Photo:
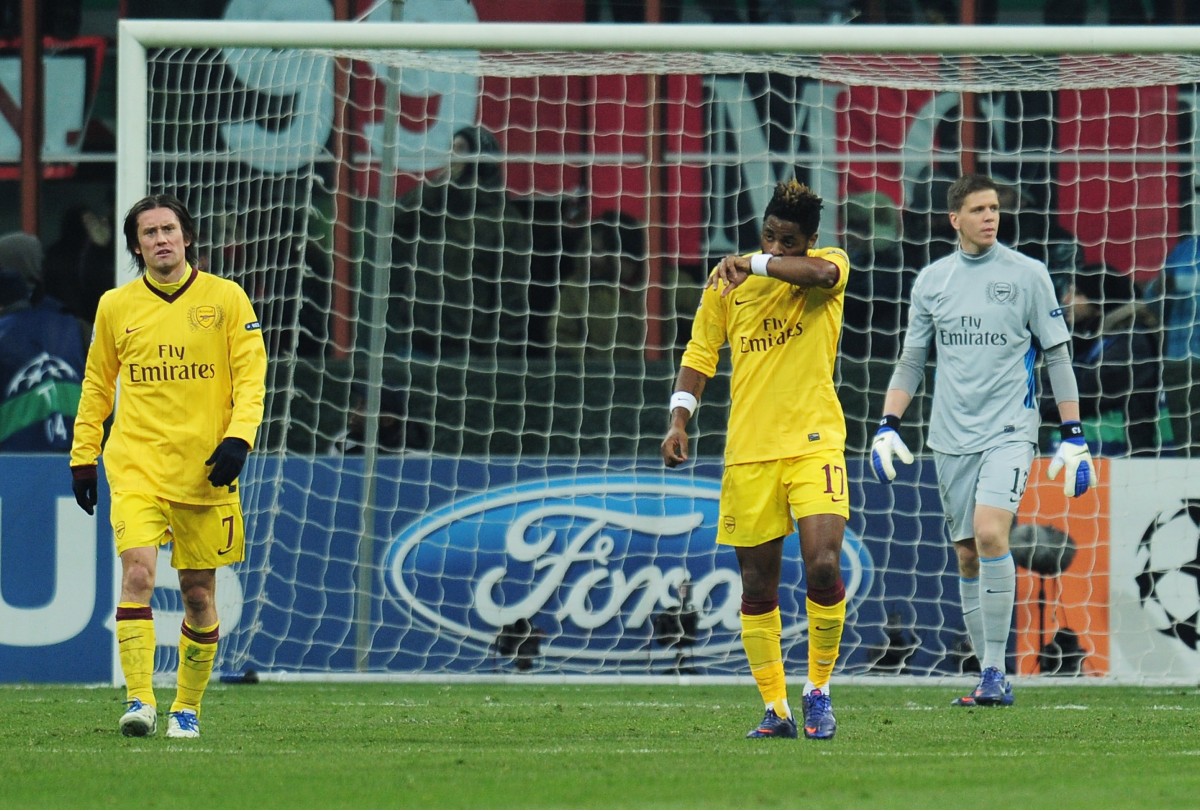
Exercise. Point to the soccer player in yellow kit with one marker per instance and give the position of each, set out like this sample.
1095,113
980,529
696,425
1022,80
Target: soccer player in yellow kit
780,312
184,351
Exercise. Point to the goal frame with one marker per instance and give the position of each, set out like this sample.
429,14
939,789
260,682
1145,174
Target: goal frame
137,37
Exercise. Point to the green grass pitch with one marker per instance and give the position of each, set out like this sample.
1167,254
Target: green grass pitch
473,745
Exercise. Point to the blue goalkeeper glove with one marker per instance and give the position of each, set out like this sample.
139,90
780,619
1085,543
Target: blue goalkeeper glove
85,481
227,461
1073,454
886,444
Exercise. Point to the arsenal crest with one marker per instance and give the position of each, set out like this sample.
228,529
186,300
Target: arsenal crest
206,317
1003,293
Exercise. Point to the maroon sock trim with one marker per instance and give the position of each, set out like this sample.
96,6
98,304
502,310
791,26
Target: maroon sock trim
753,607
209,638
828,596
142,613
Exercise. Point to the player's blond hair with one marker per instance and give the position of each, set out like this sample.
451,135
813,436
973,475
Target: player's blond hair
796,203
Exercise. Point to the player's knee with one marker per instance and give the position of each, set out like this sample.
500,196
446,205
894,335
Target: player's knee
991,546
823,573
197,595
822,566
759,589
137,583
968,559
197,599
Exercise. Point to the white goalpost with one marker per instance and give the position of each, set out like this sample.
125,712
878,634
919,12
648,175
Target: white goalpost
475,250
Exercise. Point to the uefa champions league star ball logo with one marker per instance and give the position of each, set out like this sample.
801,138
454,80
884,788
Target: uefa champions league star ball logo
39,379
45,367
1168,566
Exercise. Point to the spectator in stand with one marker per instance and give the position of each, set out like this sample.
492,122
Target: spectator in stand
920,12
1037,234
630,11
1174,296
1116,362
180,9
60,19
312,262
454,233
23,254
288,276
80,264
689,287
394,434
1122,12
676,628
42,354
1027,226
602,305
875,292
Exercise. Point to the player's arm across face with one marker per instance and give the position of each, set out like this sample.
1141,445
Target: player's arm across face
675,444
802,271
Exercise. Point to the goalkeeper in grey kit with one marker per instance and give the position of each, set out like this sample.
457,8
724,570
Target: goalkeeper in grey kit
989,309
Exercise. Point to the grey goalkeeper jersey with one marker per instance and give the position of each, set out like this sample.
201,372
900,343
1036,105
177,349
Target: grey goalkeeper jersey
987,316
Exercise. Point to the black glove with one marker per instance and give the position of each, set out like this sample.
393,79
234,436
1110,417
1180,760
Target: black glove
84,481
227,461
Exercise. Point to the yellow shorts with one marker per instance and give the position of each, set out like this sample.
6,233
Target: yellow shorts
205,536
760,501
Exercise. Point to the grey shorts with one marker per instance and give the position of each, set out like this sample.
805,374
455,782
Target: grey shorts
995,477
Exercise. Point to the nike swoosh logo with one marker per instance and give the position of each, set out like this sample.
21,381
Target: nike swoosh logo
224,551
743,300
131,329
836,499
819,628
996,591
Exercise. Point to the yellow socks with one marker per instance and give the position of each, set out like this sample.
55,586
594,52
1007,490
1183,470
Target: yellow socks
825,623
135,646
760,638
197,652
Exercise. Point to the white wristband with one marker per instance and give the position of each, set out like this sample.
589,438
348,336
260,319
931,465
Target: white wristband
686,400
758,263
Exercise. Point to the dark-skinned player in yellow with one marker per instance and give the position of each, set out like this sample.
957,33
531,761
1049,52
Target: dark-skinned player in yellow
780,313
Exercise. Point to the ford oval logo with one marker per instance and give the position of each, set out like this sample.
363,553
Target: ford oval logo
589,560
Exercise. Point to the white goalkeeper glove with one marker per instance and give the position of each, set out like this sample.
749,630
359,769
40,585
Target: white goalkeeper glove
886,444
1073,454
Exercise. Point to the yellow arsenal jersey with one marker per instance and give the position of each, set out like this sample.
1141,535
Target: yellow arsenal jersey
783,346
186,367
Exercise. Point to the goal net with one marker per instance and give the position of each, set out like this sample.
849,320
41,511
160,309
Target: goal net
476,251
